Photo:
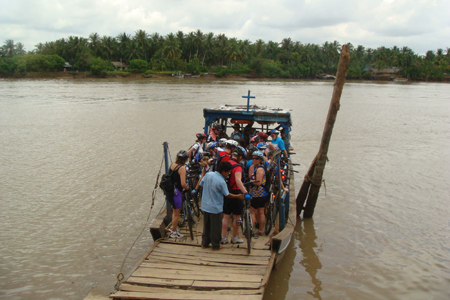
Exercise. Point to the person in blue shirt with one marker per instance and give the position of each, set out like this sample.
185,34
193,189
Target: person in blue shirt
237,134
277,142
214,190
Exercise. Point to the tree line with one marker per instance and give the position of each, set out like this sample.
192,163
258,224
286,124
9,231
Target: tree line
196,52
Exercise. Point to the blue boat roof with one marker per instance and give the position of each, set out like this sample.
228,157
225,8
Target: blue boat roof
252,112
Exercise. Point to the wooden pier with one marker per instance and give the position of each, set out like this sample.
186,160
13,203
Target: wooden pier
181,269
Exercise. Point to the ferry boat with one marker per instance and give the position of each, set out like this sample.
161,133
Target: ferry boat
181,269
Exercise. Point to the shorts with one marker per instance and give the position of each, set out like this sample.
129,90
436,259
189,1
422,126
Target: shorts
177,199
232,205
259,202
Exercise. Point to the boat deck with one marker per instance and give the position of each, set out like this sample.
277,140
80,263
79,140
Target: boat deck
181,269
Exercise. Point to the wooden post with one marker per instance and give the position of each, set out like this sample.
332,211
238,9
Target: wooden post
313,179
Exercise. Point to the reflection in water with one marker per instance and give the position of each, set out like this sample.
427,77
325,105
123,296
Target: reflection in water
306,235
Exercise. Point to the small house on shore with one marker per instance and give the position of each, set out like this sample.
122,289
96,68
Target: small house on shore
119,65
67,66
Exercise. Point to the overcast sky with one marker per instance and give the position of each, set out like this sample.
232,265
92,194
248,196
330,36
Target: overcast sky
419,24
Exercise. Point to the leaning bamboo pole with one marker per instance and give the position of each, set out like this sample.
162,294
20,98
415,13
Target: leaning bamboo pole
310,188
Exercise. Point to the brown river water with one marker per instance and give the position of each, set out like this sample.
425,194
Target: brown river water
79,160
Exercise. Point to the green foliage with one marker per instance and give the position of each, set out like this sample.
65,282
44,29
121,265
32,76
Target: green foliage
82,61
196,52
40,62
268,68
21,66
4,68
99,67
118,73
193,66
138,66
299,71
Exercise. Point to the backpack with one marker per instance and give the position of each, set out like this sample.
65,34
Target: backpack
228,179
194,154
216,161
167,184
269,175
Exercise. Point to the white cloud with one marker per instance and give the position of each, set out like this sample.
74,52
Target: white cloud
419,24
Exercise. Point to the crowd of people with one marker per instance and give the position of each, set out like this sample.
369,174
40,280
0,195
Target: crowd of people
227,162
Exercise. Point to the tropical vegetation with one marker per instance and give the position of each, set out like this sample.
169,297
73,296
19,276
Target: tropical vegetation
198,52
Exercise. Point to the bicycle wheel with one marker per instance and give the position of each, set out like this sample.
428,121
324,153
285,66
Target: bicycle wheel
248,230
269,224
190,219
195,206
183,218
275,208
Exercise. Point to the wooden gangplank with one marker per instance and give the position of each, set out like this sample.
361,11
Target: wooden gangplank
176,270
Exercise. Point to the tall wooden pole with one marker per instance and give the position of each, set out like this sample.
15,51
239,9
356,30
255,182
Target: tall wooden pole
313,179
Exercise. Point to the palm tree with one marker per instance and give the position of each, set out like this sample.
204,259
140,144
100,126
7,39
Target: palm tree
198,41
190,44
244,49
94,45
171,48
287,44
430,56
124,40
259,46
109,46
232,51
39,48
20,49
132,51
272,50
221,46
9,48
75,45
330,53
156,43
141,37
208,45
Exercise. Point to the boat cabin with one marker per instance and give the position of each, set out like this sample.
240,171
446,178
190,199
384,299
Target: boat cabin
260,117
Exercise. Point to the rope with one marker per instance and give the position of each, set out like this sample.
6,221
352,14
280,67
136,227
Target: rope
120,276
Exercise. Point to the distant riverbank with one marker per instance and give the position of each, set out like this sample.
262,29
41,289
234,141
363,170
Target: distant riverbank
129,75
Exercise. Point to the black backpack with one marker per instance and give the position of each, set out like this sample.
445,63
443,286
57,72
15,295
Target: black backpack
167,184
228,178
216,161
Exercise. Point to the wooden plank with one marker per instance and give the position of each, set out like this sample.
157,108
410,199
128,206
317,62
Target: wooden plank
207,253
139,288
186,262
249,270
266,277
160,282
225,250
232,260
261,243
174,296
146,272
225,285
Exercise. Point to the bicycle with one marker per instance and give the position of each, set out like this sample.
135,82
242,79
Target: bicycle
192,178
271,212
246,220
186,214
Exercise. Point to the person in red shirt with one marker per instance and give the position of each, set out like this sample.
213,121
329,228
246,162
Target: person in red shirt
232,205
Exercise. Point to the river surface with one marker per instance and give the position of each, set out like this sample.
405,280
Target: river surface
79,160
